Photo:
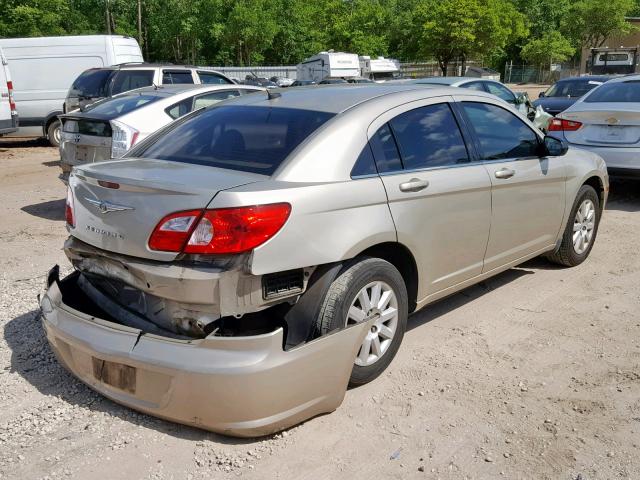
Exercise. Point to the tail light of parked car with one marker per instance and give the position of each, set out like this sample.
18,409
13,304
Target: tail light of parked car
563,125
224,230
69,209
123,137
12,103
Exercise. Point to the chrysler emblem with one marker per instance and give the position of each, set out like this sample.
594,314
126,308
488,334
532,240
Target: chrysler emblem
107,207
611,120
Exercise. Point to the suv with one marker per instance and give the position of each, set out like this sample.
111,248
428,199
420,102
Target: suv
98,83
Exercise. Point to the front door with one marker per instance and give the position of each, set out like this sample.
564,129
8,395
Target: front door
528,191
439,199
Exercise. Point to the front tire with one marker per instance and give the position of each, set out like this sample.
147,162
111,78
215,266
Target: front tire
53,133
580,233
368,288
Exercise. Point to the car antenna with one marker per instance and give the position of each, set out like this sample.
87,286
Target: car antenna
272,95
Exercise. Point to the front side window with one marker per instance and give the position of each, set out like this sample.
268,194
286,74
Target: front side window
211,78
501,134
126,80
176,76
500,91
429,137
236,137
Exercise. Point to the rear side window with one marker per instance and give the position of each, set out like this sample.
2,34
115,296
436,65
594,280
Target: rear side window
429,137
245,138
92,84
126,80
201,101
176,76
365,165
121,105
474,86
211,78
385,150
616,92
501,134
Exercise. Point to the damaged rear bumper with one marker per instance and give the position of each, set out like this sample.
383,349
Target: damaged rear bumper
240,386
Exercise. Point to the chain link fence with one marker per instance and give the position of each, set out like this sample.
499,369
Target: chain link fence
538,74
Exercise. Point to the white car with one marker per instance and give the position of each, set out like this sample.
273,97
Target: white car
606,121
107,129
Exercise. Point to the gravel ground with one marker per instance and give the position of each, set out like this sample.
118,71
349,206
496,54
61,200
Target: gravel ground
533,374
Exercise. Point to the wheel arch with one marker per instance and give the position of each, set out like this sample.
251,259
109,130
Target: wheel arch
597,184
49,119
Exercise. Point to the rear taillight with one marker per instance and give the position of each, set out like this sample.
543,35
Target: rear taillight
563,125
69,208
224,230
123,137
12,103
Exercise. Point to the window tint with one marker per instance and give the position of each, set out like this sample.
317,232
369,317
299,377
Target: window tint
126,80
500,91
501,134
179,109
211,78
473,86
115,107
616,92
92,83
249,139
365,165
385,150
429,137
176,76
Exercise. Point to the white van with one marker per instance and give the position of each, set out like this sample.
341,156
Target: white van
8,113
329,64
44,68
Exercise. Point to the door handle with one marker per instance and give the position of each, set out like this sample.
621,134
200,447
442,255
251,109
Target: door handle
414,185
505,173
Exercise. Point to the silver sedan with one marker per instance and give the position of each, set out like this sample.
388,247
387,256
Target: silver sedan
237,270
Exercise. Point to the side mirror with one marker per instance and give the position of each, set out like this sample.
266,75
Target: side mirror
521,98
541,95
554,147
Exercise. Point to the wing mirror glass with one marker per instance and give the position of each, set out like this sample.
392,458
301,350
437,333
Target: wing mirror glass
554,147
541,95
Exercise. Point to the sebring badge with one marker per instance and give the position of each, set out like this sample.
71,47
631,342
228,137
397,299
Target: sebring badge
107,207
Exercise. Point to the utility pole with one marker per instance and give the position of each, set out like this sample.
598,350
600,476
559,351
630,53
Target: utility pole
140,22
106,12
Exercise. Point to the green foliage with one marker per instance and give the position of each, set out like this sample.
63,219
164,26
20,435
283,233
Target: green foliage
252,32
551,47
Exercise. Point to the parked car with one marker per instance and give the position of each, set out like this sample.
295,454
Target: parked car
359,80
332,81
98,83
8,112
43,69
282,81
107,129
303,83
562,94
606,121
239,267
259,82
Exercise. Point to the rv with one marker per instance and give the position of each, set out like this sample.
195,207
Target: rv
8,113
44,68
379,69
329,64
608,61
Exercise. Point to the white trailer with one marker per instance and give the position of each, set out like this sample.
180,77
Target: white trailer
379,69
43,69
329,64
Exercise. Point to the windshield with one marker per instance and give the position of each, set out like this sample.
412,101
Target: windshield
616,92
249,139
572,88
91,84
117,106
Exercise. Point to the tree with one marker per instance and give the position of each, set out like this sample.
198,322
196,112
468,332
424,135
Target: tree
549,48
591,22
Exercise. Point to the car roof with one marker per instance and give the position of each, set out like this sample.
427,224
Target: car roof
634,77
338,98
587,78
445,80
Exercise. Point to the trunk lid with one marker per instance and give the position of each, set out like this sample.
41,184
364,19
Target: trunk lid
84,139
121,219
605,126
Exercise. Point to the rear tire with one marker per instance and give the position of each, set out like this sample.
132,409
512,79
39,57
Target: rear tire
367,288
53,132
581,230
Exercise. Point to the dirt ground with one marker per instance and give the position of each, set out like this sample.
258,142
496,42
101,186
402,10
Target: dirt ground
534,374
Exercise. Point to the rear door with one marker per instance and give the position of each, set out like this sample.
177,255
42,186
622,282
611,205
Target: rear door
528,191
5,108
440,199
130,79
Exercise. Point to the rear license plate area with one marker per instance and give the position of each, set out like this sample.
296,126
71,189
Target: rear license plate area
115,374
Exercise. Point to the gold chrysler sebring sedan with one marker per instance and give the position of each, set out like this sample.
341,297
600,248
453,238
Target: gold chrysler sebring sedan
238,269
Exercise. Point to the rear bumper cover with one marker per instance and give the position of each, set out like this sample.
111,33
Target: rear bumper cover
9,125
616,158
239,386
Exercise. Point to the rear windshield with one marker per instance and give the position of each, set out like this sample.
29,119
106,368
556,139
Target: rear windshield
616,92
572,88
117,106
245,138
91,84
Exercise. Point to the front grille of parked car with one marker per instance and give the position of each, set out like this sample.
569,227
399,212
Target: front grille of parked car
282,283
